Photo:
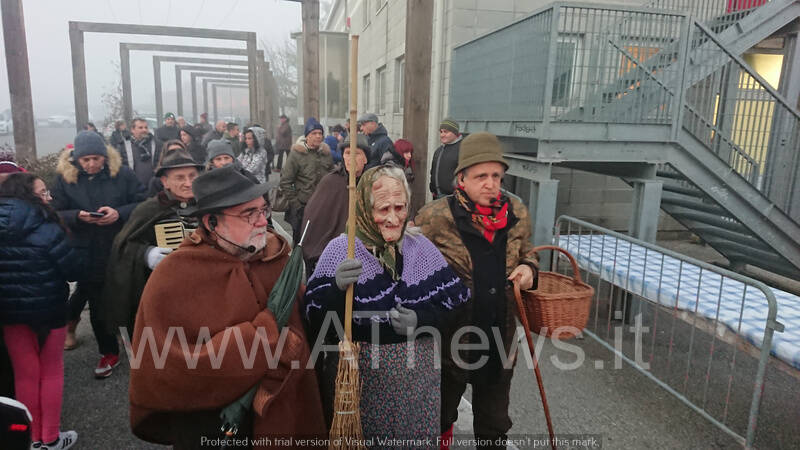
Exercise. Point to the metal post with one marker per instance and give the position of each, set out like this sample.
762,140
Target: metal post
125,71
19,80
555,21
310,12
79,75
417,94
646,206
159,98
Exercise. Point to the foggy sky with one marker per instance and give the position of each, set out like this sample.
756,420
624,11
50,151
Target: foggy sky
46,25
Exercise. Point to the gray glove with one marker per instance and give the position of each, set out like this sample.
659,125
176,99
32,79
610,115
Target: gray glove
347,273
404,320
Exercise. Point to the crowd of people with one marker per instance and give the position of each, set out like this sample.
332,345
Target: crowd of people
174,230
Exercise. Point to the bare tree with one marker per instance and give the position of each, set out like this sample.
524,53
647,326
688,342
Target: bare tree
112,98
283,63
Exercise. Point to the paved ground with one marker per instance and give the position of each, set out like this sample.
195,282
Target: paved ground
615,405
619,407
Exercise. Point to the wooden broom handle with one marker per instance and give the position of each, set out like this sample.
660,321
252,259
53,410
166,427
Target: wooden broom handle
351,184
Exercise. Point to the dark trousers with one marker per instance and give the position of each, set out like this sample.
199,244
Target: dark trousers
294,216
490,399
280,157
92,292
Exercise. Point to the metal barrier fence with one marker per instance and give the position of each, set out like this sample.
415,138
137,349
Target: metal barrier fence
692,356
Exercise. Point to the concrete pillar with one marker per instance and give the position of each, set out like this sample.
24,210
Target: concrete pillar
159,98
252,66
195,114
214,101
542,199
212,119
19,80
310,75
79,75
125,71
179,92
646,207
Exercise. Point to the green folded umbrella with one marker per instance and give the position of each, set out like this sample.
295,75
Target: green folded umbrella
280,302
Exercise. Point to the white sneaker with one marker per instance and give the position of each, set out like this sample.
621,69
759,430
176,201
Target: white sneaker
66,439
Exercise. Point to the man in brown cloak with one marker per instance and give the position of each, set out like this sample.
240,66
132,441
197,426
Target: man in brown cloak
204,337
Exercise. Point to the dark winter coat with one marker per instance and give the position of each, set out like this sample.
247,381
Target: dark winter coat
304,168
36,261
382,149
145,156
483,266
115,186
118,137
166,133
327,212
127,271
443,164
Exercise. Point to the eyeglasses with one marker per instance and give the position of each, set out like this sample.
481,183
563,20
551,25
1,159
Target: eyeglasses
253,216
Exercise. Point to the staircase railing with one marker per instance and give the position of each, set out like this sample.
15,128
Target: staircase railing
717,14
743,119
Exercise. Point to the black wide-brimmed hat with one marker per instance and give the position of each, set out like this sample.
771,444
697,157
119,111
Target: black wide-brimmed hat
224,188
175,159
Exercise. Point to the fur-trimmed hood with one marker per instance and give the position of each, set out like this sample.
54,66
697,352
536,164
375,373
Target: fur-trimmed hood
300,146
69,169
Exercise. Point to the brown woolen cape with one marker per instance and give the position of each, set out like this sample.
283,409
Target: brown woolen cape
200,285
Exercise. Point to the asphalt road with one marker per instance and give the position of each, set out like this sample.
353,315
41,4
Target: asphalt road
600,401
618,407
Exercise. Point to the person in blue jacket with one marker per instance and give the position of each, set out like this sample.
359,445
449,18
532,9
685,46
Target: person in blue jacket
36,261
94,195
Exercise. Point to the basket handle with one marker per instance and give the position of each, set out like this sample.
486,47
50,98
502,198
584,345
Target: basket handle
575,270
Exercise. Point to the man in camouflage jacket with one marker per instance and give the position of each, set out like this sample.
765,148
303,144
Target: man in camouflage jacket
484,235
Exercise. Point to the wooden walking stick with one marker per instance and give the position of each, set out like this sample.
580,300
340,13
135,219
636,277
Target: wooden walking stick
523,317
346,427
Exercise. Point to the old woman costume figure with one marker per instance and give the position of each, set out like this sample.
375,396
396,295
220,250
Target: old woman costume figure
402,283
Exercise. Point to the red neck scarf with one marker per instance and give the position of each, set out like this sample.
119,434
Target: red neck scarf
488,218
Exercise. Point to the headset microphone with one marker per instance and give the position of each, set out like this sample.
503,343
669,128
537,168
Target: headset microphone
212,224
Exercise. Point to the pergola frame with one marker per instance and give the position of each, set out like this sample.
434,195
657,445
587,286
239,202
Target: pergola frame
215,85
76,38
158,59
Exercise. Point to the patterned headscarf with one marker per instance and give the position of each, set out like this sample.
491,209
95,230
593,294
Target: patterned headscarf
488,218
367,230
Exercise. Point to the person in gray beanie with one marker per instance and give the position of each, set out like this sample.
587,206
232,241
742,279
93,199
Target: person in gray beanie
94,195
220,154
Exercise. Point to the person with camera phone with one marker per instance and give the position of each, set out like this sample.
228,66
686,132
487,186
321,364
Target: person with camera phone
94,195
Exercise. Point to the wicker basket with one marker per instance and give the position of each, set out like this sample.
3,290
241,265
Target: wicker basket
560,303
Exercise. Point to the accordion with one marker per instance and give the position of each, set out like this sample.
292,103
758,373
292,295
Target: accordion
170,233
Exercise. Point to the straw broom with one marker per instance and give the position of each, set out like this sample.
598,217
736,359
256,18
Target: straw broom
346,427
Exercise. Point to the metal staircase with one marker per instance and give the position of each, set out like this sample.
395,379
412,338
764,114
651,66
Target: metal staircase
652,85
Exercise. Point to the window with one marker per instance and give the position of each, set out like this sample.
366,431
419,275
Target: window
365,92
399,83
380,76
